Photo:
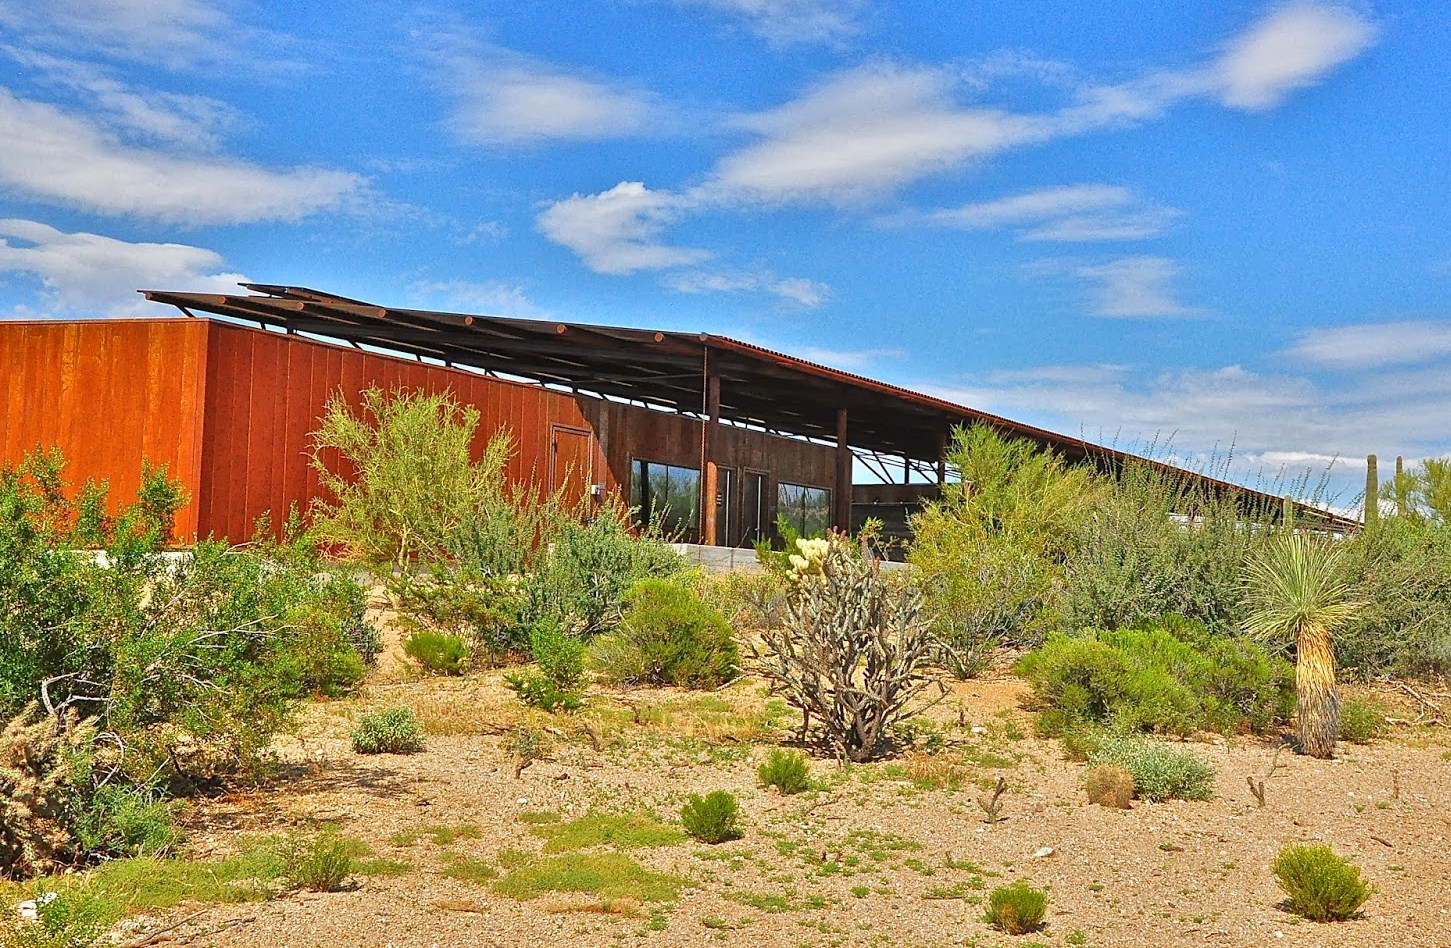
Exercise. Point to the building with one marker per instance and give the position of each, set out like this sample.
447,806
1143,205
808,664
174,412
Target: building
712,436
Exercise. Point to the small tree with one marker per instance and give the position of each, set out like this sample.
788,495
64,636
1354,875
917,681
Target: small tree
854,649
1297,591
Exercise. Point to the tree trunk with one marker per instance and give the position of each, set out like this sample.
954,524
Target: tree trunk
1317,703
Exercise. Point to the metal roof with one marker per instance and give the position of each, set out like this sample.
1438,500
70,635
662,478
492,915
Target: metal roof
759,387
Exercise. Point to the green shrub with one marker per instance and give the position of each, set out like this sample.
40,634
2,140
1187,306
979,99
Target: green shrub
1403,567
538,691
323,864
526,745
120,821
1161,772
439,653
560,656
1169,677
1361,721
713,818
1319,885
394,731
71,919
461,599
785,770
1016,909
667,636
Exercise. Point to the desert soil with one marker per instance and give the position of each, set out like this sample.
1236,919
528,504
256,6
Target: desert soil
863,861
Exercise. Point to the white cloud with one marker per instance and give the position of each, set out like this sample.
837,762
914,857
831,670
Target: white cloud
89,274
808,294
493,298
784,22
1292,48
1134,286
64,158
1373,345
191,121
1077,212
871,130
849,359
615,231
502,98
166,33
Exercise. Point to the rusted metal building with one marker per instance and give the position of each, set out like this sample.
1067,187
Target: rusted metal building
713,436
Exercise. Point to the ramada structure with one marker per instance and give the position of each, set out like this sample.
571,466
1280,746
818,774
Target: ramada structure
712,436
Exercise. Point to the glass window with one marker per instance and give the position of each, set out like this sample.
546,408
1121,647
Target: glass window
666,495
807,509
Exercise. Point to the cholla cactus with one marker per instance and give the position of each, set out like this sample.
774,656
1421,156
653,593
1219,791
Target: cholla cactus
853,650
35,788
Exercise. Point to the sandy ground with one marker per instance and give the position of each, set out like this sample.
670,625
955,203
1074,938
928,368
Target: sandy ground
855,863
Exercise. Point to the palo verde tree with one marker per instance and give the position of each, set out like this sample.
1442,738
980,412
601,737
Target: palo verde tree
1296,590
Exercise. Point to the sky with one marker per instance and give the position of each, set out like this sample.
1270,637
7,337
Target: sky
1213,231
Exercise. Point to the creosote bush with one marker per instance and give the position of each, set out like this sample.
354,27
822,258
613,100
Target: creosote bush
558,682
526,745
713,818
1160,771
785,770
393,731
1361,722
1319,885
853,651
1109,785
667,636
1016,909
437,653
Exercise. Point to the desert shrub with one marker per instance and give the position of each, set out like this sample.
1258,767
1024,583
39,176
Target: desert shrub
990,549
38,788
70,919
590,565
393,731
667,636
120,821
713,818
785,770
324,863
1109,785
748,600
1170,677
525,745
556,686
438,653
1403,576
853,651
1160,771
1361,722
1319,885
1137,557
458,599
1016,909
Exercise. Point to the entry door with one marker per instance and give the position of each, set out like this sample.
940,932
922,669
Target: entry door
727,529
571,462
753,523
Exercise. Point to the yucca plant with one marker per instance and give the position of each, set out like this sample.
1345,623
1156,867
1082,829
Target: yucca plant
1297,591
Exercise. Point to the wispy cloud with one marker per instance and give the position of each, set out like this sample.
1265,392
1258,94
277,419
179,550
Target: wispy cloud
1134,287
850,359
90,274
787,22
1068,213
75,160
805,293
616,231
1294,47
489,297
1375,345
501,98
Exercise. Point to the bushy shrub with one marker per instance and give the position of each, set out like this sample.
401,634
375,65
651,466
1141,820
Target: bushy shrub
526,745
556,686
38,788
120,821
713,818
667,636
785,770
71,919
1171,677
1016,909
458,599
1109,785
324,863
853,651
589,566
393,731
1361,722
1160,771
438,653
1403,571
1319,885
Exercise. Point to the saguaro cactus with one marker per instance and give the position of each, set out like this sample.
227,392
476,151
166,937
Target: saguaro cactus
1372,492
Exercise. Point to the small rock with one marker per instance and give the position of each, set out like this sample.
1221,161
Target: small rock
979,729
522,801
1043,853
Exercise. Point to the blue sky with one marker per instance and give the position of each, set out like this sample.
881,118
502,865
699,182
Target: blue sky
1213,224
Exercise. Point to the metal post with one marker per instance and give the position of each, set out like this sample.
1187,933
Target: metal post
710,473
842,496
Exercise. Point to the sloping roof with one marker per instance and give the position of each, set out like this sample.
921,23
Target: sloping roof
758,387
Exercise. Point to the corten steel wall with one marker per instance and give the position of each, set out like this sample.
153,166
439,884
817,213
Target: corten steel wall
230,410
107,393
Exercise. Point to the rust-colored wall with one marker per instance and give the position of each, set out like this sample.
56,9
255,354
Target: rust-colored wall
108,393
230,410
